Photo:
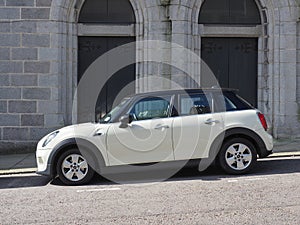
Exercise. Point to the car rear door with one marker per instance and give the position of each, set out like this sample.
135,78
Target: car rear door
196,126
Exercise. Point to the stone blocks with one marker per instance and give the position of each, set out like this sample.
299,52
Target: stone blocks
24,27
43,3
10,120
9,13
15,133
3,106
10,93
35,40
9,40
19,3
20,123
38,60
23,80
35,13
37,93
4,54
37,67
32,120
22,106
24,54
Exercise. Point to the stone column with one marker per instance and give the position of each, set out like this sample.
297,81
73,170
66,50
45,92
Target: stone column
285,70
156,28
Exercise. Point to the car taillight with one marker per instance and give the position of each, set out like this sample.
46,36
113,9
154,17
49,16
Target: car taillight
263,120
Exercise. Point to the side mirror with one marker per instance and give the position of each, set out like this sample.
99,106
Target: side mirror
125,120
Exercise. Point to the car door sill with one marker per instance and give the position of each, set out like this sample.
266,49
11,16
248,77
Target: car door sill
150,167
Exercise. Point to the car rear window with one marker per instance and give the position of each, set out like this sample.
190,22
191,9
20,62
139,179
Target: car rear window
230,101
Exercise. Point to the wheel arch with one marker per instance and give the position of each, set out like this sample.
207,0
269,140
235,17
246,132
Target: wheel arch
86,148
248,134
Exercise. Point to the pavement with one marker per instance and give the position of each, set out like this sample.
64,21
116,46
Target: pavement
26,163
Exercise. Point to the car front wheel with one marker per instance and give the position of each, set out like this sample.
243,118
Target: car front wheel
73,168
237,156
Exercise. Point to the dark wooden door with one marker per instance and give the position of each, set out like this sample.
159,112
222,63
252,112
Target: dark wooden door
118,86
234,63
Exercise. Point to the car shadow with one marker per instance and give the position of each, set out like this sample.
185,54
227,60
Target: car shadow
23,181
212,173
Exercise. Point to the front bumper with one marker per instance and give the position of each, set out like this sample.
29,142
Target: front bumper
46,172
43,159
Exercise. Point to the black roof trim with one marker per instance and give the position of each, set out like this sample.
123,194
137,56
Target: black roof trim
188,90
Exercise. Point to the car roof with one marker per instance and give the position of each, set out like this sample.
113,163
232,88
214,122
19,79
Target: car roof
187,90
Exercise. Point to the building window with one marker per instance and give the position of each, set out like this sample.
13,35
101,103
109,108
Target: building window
229,12
102,26
107,12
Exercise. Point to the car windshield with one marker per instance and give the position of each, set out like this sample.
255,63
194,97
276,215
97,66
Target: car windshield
112,114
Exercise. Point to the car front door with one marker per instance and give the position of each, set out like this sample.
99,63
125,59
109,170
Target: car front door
148,138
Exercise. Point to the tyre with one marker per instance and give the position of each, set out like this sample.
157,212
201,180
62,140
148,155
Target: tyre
237,156
73,169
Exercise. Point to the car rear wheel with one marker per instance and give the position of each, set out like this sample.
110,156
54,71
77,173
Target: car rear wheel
237,156
73,168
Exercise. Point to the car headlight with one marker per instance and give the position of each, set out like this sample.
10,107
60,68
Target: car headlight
50,138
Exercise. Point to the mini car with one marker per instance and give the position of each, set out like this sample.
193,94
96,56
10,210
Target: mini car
210,125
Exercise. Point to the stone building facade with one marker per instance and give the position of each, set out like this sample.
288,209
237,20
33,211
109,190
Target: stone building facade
39,58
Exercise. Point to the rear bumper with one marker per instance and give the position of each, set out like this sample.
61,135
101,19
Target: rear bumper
265,153
266,144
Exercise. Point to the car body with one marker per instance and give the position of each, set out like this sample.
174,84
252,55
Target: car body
162,126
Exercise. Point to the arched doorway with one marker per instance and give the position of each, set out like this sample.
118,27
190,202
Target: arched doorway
229,44
102,26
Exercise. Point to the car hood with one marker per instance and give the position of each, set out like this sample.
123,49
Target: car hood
82,130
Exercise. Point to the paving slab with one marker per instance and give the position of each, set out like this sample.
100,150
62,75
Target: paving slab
286,145
17,163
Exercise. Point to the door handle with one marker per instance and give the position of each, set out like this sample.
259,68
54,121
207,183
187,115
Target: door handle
99,132
211,121
160,126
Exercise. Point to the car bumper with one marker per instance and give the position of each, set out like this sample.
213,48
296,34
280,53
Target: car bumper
267,145
46,172
43,165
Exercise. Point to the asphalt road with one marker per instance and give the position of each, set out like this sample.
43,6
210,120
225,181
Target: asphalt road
270,195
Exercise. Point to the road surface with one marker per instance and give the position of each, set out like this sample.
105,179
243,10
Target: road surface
270,195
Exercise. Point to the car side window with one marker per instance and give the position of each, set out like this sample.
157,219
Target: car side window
151,107
194,104
224,104
229,105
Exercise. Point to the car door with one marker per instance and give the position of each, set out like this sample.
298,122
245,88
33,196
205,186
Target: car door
146,139
194,129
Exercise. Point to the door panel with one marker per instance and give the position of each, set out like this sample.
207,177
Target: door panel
122,83
234,63
215,55
243,67
90,48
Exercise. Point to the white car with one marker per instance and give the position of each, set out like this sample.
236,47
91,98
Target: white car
210,125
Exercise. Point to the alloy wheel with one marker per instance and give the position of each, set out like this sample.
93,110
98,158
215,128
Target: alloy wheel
238,156
74,167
